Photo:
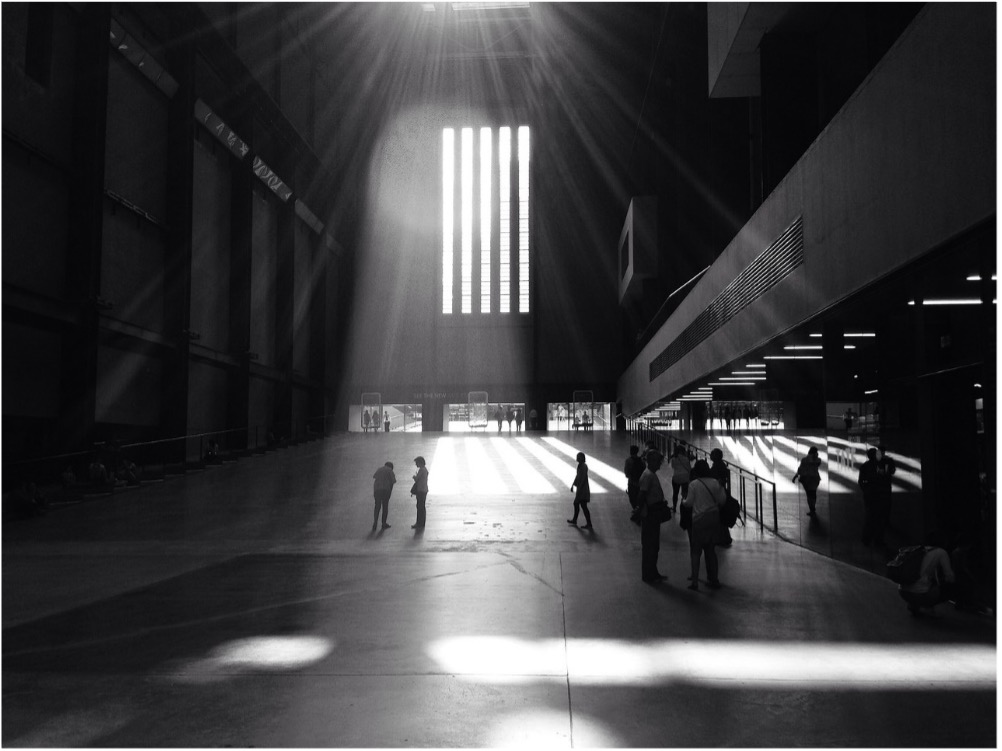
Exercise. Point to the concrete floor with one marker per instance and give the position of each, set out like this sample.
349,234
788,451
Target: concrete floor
250,605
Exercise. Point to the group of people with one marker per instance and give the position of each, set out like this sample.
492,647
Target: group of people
383,480
502,414
371,420
702,489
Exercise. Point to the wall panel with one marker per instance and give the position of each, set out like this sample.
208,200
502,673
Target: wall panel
210,246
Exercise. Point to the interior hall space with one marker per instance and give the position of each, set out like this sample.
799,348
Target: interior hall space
253,252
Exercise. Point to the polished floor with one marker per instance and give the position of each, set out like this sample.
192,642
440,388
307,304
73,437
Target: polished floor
251,605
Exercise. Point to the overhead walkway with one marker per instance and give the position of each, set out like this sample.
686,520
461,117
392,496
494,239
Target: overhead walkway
251,605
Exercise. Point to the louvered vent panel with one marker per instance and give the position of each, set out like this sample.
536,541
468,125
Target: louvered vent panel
768,269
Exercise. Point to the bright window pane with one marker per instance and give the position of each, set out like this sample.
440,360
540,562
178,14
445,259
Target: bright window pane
448,187
466,268
504,220
485,220
523,219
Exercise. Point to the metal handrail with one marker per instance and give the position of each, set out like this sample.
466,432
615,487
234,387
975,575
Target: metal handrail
157,453
666,444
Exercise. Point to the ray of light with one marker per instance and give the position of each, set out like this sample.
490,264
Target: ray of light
528,479
563,470
487,479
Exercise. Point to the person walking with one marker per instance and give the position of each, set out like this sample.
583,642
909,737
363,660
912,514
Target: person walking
650,493
382,486
499,416
583,493
809,473
705,498
633,468
420,490
679,475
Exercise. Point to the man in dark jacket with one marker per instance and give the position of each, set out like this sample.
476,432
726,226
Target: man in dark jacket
720,473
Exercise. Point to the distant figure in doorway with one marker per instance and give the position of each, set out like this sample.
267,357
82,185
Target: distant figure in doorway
720,472
633,468
651,493
679,475
366,421
499,416
705,499
728,414
420,490
386,422
509,415
809,473
583,494
382,486
518,420
533,416
849,417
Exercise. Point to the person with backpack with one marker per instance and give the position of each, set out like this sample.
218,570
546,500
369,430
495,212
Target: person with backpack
705,498
933,580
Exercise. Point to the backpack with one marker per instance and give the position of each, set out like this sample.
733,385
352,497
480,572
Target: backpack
906,565
730,512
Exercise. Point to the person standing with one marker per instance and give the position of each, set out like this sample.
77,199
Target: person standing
518,420
650,493
679,475
705,498
720,473
386,422
420,490
633,468
868,483
509,415
809,473
382,486
366,419
499,416
583,493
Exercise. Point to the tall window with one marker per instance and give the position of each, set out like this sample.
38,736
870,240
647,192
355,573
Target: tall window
448,182
485,219
523,219
504,218
480,198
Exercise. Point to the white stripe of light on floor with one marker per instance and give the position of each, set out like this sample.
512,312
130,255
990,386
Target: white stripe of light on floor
816,666
484,475
528,479
595,467
443,472
564,470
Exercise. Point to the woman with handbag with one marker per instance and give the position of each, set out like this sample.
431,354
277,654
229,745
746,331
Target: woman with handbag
653,511
705,498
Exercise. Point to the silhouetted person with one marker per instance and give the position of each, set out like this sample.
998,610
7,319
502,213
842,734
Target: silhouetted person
809,473
366,421
509,415
420,490
382,486
651,493
720,472
518,420
386,422
679,475
499,416
633,468
583,494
